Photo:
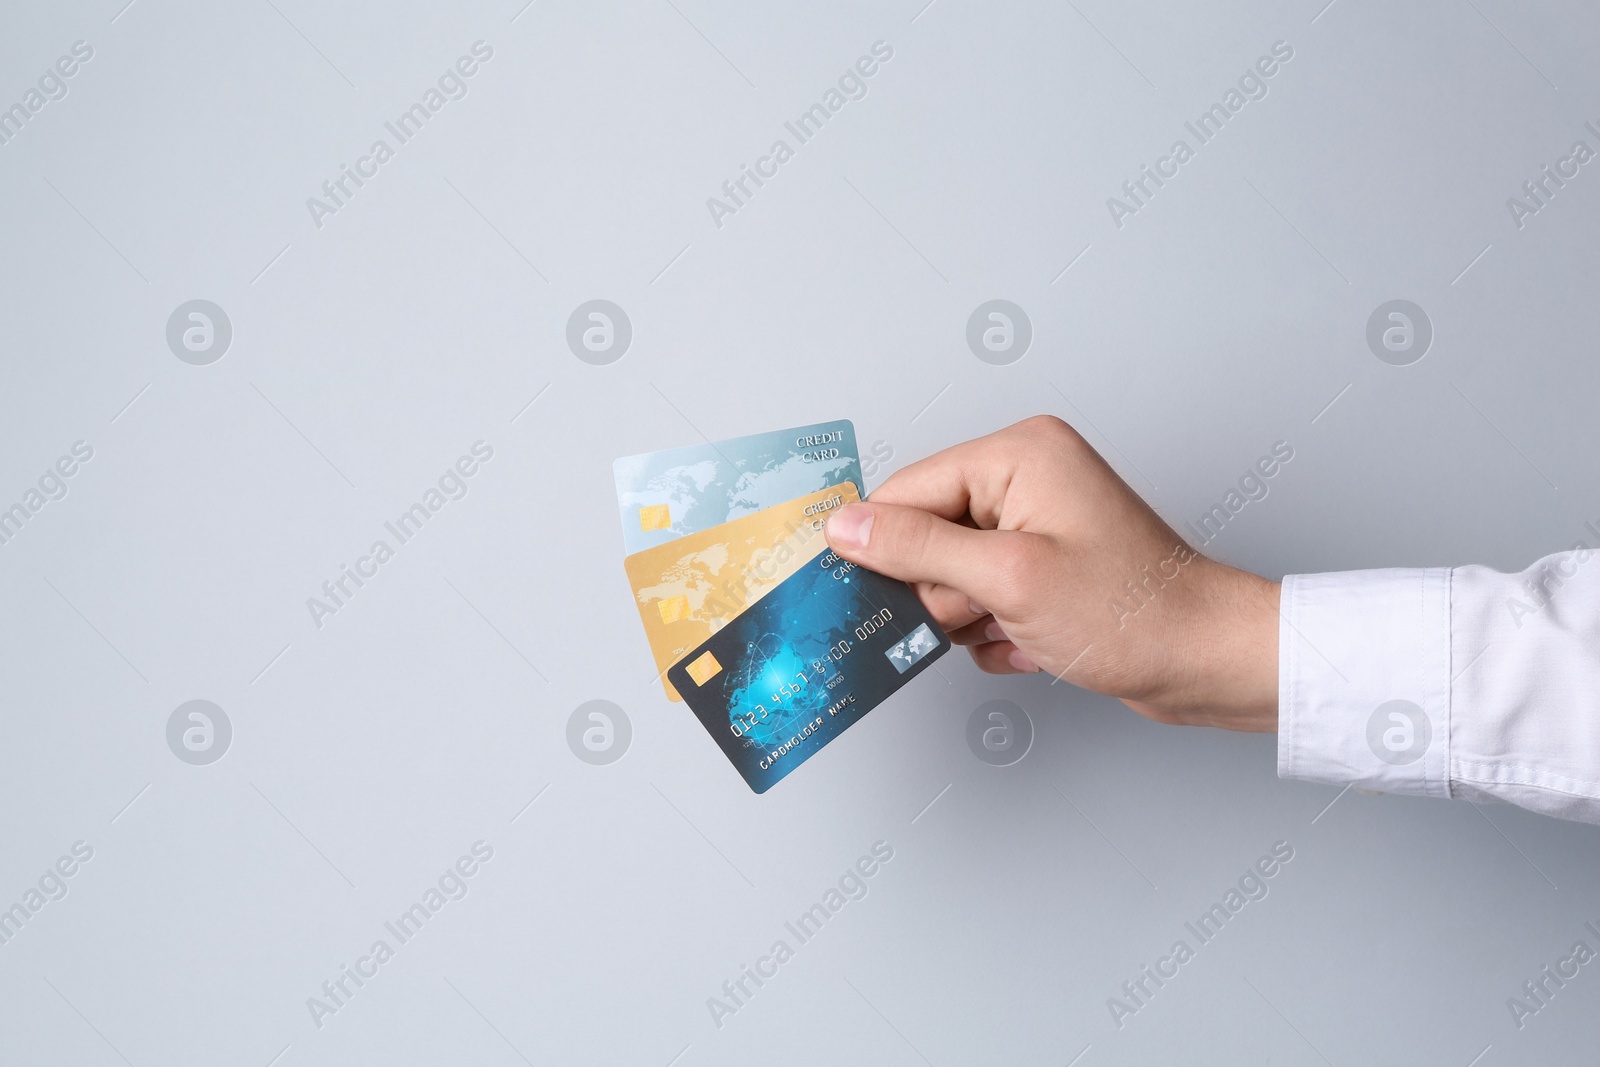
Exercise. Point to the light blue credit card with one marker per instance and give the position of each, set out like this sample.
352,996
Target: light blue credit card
666,495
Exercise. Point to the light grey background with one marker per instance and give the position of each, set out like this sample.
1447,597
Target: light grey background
368,354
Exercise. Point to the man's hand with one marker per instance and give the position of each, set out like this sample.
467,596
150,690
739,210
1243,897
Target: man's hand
1031,551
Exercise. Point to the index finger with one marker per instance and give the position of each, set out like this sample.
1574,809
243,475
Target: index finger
974,477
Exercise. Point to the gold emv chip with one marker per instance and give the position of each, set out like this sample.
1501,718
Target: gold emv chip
704,669
673,608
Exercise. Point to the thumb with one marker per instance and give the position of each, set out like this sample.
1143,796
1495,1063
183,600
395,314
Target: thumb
914,546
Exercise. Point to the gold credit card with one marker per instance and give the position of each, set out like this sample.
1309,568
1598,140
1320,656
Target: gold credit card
690,588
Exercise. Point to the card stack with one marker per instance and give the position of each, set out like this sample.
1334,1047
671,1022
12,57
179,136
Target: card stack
776,644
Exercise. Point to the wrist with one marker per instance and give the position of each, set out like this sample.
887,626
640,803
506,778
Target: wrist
1233,653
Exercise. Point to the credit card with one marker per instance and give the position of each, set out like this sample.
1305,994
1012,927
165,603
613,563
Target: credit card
688,589
804,663
666,495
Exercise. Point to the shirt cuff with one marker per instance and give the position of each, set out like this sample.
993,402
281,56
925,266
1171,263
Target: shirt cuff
1364,680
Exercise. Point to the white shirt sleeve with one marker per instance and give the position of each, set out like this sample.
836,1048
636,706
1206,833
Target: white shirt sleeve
1460,682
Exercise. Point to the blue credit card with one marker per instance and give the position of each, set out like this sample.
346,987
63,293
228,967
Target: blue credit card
666,495
802,664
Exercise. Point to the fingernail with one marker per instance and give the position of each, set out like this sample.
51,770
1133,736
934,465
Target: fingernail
850,526
993,632
977,608
1022,662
